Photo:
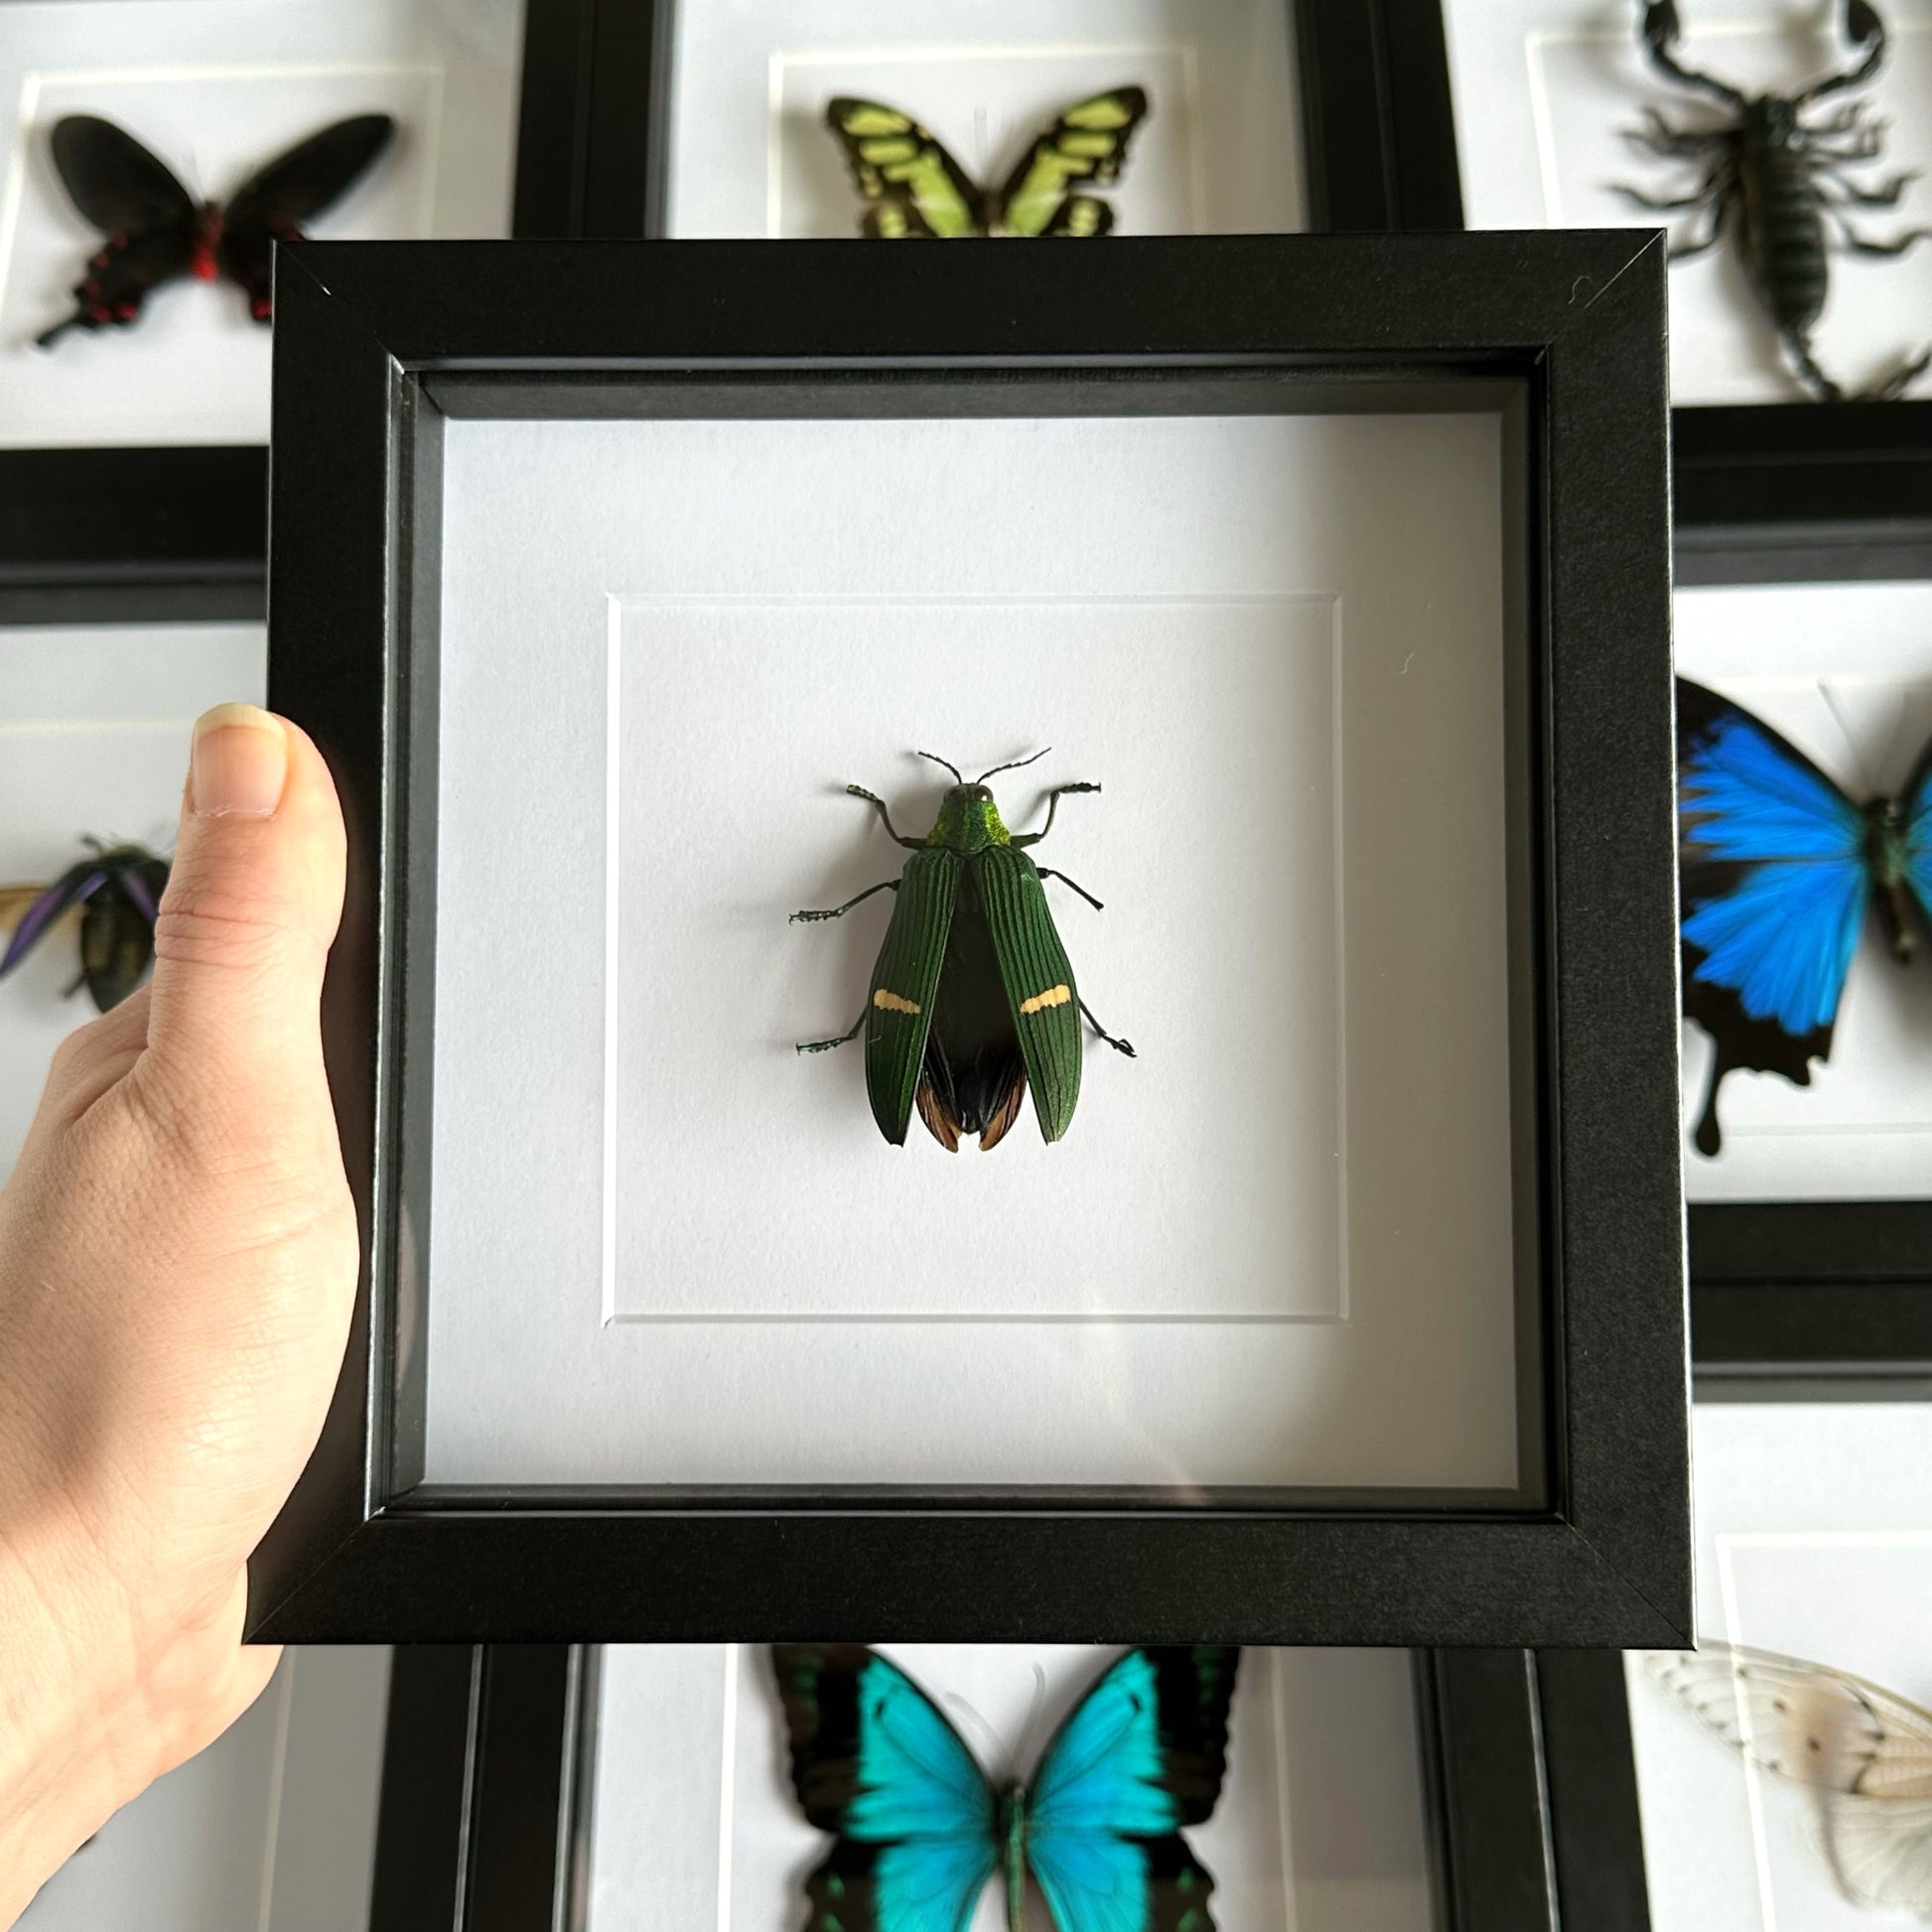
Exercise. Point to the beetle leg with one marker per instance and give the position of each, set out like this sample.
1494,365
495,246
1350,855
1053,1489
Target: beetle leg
1053,805
824,1045
836,911
1047,871
872,798
1118,1045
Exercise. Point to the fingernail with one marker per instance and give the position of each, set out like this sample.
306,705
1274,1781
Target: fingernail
239,762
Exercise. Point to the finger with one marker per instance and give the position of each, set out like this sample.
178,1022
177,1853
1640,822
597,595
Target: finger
251,906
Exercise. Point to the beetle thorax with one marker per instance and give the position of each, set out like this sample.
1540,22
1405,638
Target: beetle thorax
968,821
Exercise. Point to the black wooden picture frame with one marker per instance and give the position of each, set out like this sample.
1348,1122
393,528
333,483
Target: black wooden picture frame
1529,1794
1792,1300
1379,142
133,536
376,343
1799,1299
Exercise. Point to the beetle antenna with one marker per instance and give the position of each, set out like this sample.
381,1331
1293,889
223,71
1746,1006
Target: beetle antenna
1013,766
947,762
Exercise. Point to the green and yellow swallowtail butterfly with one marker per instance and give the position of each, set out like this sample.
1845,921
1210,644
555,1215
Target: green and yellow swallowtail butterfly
913,188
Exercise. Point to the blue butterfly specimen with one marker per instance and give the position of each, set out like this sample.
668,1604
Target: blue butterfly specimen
1778,870
920,1828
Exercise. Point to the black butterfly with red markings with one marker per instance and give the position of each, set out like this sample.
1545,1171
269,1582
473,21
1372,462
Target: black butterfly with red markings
158,233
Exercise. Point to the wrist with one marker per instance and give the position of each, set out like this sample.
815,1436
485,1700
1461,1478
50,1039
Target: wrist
61,1769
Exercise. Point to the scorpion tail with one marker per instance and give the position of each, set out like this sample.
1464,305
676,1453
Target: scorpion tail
1798,353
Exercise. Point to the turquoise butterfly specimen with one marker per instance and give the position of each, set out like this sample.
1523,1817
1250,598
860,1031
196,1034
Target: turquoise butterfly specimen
918,1829
1777,871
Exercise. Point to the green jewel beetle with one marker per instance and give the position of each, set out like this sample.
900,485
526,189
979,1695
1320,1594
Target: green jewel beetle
972,996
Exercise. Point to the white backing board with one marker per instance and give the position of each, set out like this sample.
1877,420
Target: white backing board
1546,93
694,1822
1844,673
1814,1537
94,725
215,88
271,1829
750,155
625,1155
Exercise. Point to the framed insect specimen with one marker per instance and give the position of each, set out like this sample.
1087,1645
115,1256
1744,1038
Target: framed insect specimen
1780,1768
153,231
984,1356
1454,1789
1779,146
1858,1746
973,996
1778,185
1244,116
913,188
483,137
1804,584
918,1826
102,670
1781,871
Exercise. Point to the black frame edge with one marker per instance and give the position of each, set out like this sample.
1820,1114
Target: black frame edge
339,1561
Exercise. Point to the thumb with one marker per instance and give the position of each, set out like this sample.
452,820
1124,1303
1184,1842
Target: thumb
251,907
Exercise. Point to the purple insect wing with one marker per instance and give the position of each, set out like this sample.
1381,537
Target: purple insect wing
79,883
139,897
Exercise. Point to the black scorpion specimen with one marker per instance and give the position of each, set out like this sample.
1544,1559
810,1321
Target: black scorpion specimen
1780,185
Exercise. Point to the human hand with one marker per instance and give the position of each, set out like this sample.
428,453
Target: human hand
177,1261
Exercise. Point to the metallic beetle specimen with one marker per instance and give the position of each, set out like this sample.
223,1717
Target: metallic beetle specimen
972,995
158,233
118,890
913,188
1781,185
920,1830
1863,1751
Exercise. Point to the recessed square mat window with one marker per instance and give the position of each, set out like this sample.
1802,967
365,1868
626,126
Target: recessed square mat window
623,593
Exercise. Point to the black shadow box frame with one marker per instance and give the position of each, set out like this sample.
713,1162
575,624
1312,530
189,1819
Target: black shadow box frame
376,342
1530,1797
1791,1300
1379,141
